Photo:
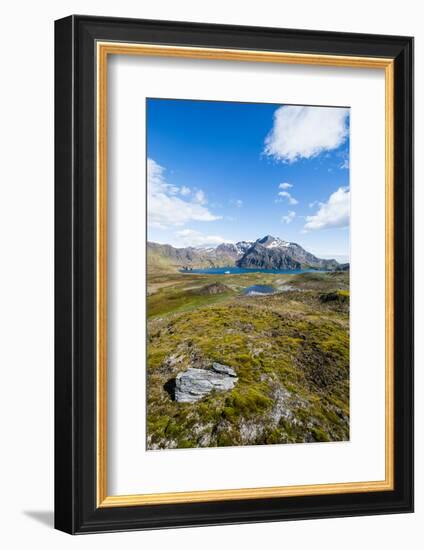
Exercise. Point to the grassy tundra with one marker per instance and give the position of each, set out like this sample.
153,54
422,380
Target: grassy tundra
290,351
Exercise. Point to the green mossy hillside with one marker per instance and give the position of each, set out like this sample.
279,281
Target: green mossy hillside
290,351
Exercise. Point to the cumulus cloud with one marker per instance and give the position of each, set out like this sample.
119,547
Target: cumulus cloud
285,185
190,237
289,197
333,213
289,217
166,208
305,132
185,191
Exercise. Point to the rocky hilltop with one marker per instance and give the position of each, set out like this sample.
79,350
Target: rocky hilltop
266,253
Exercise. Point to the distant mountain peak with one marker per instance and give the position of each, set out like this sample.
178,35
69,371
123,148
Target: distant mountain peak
271,252
273,242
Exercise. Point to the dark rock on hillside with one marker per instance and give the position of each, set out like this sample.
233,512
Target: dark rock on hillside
339,296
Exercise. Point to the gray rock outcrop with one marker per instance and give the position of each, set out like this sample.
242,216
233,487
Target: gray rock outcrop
224,369
194,384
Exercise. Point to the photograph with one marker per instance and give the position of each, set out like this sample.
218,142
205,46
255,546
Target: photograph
247,270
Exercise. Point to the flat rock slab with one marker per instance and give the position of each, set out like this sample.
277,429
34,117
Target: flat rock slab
193,384
224,369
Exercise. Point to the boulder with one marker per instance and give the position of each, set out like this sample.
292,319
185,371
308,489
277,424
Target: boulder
194,384
224,369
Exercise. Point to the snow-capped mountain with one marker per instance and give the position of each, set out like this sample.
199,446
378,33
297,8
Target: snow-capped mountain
273,242
275,253
266,253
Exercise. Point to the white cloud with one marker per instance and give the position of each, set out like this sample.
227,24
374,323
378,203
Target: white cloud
289,217
285,185
156,179
333,213
190,237
200,197
165,209
287,195
345,164
185,191
304,132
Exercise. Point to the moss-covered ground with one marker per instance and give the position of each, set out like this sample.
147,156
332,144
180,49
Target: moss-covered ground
290,351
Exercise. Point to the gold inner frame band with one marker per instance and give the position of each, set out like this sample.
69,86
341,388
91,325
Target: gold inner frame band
103,50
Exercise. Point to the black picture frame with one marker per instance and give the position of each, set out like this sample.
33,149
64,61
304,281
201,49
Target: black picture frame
76,510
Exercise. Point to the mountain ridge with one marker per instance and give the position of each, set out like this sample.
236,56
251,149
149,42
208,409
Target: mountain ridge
265,253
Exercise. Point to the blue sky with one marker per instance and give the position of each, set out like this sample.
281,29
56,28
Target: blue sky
225,172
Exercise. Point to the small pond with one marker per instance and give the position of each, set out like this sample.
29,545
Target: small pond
259,289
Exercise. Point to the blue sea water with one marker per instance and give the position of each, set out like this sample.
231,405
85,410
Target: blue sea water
238,270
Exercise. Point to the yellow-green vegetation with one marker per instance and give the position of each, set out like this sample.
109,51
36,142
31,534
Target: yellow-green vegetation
290,351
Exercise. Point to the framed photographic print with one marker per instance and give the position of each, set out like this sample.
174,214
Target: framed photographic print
234,274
